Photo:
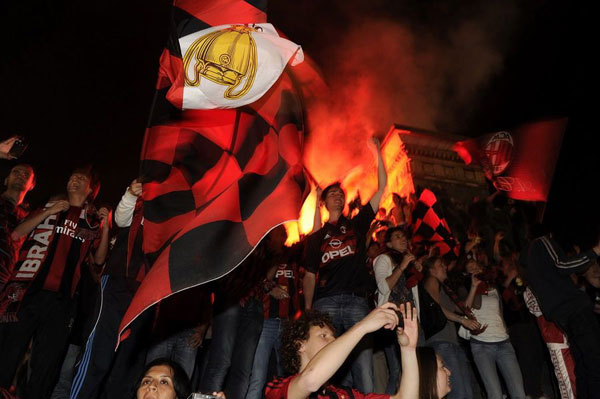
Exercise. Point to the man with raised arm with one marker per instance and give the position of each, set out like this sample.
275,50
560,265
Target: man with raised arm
337,255
312,353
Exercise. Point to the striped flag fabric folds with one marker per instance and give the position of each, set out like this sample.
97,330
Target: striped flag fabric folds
215,180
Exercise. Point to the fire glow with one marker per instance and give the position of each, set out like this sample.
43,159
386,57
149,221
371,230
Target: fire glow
362,178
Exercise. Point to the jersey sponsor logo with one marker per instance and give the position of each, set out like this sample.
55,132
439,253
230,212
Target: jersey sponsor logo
337,254
69,228
335,243
285,273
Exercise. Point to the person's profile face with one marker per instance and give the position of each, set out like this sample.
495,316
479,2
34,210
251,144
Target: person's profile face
440,270
398,242
442,378
318,337
157,383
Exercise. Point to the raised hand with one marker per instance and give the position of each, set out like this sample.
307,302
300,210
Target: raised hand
135,188
104,215
409,334
5,147
406,261
59,206
469,324
279,293
382,316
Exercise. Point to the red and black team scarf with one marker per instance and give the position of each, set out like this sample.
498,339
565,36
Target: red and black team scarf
465,310
77,224
12,295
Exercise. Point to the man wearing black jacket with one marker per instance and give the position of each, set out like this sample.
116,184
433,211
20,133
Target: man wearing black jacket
548,272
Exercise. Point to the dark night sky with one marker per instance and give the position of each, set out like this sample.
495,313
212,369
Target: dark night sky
77,80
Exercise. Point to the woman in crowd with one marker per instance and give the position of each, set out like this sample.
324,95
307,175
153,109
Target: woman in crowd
492,346
445,342
389,269
163,379
434,376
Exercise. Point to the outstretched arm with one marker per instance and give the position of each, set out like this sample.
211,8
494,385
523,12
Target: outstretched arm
329,359
126,207
381,177
317,216
100,255
568,264
407,338
31,223
432,287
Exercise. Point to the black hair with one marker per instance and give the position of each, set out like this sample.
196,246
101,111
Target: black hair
297,331
181,381
395,256
392,230
429,263
427,373
337,184
90,172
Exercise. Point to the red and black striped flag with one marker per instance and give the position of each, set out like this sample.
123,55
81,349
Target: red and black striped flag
430,226
215,181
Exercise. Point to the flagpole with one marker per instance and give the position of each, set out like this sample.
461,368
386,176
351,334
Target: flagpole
540,210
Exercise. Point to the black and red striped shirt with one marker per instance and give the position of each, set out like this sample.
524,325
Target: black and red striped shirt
337,255
75,232
278,389
286,277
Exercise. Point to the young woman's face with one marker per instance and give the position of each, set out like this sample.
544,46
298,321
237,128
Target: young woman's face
398,242
157,384
439,270
443,378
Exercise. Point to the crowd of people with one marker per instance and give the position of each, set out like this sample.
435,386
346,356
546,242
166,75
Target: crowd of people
357,308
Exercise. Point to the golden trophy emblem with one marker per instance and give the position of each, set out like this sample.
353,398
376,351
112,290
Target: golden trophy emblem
225,57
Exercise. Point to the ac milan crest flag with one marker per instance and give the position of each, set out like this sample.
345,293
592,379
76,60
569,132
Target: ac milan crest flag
216,181
430,226
521,161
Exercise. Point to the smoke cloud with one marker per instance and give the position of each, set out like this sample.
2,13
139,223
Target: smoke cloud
419,72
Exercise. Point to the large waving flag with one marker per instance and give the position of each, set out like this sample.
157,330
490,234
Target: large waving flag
217,180
519,162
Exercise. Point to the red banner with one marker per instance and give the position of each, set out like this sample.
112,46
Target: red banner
521,161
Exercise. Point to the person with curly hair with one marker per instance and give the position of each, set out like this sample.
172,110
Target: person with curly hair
312,354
